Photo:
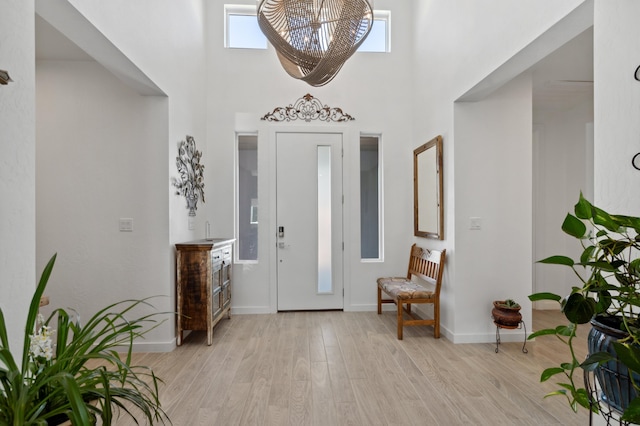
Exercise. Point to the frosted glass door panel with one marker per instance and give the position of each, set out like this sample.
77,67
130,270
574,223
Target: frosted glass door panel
324,220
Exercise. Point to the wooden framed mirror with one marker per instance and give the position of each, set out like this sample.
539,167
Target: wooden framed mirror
428,209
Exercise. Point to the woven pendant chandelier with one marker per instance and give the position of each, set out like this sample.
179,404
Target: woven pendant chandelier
314,38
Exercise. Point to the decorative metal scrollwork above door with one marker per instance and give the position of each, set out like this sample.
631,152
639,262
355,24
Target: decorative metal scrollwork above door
307,108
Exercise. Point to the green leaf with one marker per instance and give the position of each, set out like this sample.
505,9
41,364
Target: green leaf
582,397
632,412
4,338
62,332
629,355
587,254
634,222
558,260
554,393
612,246
574,226
583,209
565,330
544,296
602,265
579,309
544,332
596,359
79,415
107,414
604,301
34,309
6,358
567,386
634,267
602,218
550,372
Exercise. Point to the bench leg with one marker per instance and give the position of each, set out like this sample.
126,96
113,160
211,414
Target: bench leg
436,318
399,319
379,300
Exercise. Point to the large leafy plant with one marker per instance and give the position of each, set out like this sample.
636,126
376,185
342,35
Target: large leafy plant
83,376
608,271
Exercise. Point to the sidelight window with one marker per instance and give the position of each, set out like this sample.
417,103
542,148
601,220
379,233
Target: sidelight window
370,198
247,198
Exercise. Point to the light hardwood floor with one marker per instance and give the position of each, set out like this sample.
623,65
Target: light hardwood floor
348,368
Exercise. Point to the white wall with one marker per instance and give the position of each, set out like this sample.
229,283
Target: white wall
101,157
454,52
17,167
562,173
131,175
165,39
563,156
616,98
493,175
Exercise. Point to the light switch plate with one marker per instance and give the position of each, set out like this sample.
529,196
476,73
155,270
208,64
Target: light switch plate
125,224
475,223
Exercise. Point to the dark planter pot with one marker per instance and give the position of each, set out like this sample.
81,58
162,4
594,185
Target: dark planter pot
505,316
59,420
613,377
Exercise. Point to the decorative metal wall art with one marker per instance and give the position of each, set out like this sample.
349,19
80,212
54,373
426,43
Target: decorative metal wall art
314,38
4,77
307,108
635,161
191,181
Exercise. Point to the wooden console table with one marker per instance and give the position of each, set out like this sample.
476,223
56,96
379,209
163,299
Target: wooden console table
203,284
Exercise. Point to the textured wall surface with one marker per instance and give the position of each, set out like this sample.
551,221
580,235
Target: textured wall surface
17,164
617,106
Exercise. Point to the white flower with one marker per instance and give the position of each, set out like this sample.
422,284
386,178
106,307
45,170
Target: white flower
41,344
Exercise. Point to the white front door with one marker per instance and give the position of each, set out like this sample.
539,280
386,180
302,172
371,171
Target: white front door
309,221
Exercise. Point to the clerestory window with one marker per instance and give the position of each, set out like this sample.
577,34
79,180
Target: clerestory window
242,30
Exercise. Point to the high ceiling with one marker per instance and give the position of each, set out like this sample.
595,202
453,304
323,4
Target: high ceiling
565,78
560,81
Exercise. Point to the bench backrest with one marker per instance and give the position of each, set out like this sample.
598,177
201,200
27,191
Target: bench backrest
427,264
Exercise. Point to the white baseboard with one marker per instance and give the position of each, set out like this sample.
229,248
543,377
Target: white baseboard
505,336
248,310
370,307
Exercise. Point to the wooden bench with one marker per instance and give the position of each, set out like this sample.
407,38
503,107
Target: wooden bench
428,266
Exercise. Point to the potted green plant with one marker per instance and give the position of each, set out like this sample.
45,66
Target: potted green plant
81,376
608,296
506,313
